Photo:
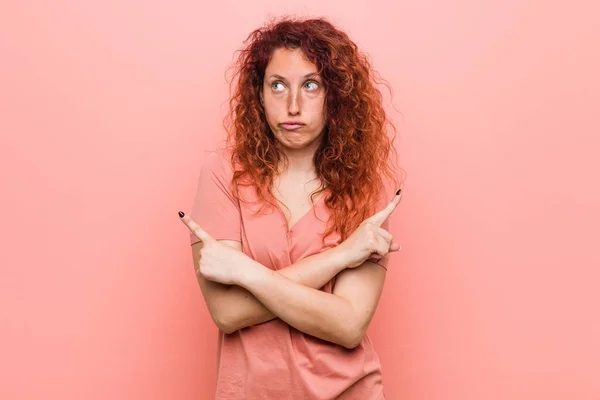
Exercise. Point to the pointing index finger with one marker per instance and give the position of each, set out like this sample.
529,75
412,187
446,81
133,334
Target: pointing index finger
195,228
382,215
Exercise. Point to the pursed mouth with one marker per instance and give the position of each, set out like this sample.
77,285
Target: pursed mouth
291,126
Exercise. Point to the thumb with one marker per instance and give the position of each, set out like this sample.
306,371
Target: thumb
395,247
195,228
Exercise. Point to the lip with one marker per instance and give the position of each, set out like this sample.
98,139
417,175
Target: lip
292,125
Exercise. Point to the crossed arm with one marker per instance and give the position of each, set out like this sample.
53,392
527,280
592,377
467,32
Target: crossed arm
292,294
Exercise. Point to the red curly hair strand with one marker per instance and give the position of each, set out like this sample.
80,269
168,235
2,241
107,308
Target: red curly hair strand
353,160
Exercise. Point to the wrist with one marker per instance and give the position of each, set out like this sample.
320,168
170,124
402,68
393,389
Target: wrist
250,273
339,256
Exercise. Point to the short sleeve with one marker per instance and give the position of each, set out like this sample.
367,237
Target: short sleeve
214,208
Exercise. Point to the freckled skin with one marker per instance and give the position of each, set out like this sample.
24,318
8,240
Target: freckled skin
294,97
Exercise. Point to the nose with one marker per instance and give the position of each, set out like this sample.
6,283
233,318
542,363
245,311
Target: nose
294,103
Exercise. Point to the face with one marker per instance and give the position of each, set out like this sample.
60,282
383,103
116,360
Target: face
292,92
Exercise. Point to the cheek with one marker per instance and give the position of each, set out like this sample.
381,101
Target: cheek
273,106
319,112
270,110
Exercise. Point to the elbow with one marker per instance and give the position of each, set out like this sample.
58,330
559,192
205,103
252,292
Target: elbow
224,324
222,321
353,338
225,328
222,315
352,342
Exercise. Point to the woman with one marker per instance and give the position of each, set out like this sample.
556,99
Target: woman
292,281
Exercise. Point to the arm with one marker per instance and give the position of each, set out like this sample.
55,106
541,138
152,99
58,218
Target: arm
233,307
341,317
225,309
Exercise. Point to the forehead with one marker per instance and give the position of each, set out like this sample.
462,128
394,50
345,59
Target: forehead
290,63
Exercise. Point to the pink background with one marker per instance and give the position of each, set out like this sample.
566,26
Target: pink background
106,107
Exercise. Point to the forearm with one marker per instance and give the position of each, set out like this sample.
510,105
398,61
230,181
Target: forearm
317,313
243,309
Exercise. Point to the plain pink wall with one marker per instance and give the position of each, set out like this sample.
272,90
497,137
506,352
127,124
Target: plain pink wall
106,107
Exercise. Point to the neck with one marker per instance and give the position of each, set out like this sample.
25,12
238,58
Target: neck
300,161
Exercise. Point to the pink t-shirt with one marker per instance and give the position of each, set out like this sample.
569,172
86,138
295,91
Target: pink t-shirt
273,360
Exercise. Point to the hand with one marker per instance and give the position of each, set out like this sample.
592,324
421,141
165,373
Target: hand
370,239
218,262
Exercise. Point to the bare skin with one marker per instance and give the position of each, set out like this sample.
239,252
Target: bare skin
240,292
293,92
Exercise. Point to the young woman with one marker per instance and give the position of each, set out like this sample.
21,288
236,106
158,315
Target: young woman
289,225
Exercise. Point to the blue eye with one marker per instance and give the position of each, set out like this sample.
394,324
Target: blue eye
314,83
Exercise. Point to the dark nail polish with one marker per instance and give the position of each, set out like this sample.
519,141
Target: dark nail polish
398,192
181,214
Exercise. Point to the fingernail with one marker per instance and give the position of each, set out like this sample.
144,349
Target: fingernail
398,192
181,214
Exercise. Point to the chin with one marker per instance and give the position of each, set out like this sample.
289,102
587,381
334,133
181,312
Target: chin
291,144
295,139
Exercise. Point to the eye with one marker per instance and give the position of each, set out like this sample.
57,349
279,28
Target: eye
275,83
316,84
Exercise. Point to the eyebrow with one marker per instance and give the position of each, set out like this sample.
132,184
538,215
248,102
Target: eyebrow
305,76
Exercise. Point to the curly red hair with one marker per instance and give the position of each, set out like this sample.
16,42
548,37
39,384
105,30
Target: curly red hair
353,158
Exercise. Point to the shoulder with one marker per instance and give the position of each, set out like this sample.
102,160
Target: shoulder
218,162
